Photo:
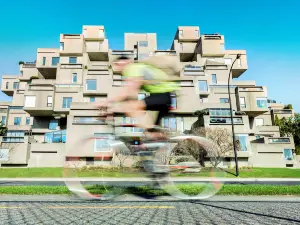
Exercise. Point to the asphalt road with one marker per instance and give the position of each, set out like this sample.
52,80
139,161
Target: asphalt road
149,212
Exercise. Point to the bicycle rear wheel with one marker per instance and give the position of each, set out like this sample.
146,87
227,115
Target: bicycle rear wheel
94,177
192,175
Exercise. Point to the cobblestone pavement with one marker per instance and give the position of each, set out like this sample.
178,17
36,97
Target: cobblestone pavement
149,212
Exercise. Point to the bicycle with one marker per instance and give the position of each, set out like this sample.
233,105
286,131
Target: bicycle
157,162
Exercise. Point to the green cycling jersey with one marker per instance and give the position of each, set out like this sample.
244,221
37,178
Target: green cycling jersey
160,81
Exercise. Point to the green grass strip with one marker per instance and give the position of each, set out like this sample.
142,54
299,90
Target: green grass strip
189,189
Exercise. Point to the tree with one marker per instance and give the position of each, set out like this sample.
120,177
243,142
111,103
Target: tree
222,139
289,106
290,127
3,129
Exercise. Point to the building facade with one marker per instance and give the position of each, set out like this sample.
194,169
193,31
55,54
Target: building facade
54,96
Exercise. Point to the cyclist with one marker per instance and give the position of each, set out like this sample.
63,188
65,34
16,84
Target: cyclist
147,76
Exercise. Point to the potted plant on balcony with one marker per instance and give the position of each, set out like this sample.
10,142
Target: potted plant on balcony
21,62
240,113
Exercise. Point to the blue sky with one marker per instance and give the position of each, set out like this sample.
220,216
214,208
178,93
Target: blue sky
268,30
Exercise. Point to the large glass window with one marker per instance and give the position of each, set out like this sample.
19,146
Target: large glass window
227,120
261,102
17,120
102,143
202,84
6,85
173,102
27,120
91,85
30,101
88,120
92,99
219,112
66,102
288,154
53,124
49,101
170,123
55,61
44,61
242,138
55,137
62,46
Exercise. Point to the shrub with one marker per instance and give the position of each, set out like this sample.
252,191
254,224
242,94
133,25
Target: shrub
21,62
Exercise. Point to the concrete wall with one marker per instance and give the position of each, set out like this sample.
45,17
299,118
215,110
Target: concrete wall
47,155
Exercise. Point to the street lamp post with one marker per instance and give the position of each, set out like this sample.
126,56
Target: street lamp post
231,114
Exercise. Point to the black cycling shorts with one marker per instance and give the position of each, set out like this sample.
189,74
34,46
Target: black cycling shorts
160,102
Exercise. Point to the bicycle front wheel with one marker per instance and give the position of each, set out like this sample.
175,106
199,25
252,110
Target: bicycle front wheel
193,173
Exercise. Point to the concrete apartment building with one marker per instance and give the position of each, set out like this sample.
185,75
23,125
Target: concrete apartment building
53,99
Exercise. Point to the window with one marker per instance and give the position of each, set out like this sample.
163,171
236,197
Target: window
180,33
261,103
214,78
62,46
17,120
55,137
197,33
16,85
102,143
228,61
202,85
3,120
143,43
141,96
88,120
92,99
219,112
53,124
91,85
259,121
14,136
173,101
170,123
44,61
7,85
27,120
66,102
226,120
73,60
30,101
74,78
242,102
55,61
288,154
224,100
279,140
4,153
49,101
242,138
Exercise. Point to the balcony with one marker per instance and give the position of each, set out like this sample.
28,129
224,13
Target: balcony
71,45
188,34
29,65
252,100
93,33
9,84
71,66
212,45
186,50
97,50
191,70
266,130
165,52
216,64
68,88
241,64
98,66
47,60
19,127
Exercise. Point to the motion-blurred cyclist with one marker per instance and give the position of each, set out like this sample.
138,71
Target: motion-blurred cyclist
154,76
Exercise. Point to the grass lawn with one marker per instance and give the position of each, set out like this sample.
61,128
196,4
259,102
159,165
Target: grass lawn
57,172
189,189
